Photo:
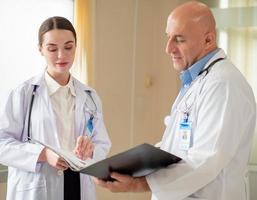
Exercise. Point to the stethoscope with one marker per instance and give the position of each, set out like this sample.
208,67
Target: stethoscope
89,123
207,69
92,113
188,107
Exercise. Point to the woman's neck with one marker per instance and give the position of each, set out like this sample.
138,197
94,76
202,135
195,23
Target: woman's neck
62,79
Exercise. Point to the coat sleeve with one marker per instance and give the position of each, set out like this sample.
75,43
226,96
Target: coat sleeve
224,117
14,152
100,137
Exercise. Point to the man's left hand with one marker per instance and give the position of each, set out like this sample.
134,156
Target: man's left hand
124,183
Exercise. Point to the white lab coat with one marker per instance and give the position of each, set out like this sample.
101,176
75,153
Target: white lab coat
27,179
223,115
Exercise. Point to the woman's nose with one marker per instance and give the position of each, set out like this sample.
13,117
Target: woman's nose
61,54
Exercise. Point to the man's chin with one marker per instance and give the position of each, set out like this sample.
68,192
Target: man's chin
179,67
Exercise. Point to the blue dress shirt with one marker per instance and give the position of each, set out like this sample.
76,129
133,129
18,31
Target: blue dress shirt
189,75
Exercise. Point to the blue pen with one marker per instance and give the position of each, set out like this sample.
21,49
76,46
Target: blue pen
90,126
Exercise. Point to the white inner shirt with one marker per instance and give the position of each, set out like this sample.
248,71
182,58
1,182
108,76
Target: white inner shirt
63,103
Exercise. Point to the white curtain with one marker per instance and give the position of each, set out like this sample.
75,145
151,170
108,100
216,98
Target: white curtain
238,37
242,50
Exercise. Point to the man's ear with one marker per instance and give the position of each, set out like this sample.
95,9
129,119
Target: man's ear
210,39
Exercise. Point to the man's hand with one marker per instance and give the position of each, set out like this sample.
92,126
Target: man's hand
124,183
84,148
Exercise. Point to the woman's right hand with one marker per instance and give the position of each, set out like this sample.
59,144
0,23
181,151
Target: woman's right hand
52,159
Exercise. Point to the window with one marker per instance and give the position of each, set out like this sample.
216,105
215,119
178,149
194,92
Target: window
238,37
20,21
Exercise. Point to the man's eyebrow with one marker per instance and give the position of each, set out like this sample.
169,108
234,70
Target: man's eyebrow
175,36
178,35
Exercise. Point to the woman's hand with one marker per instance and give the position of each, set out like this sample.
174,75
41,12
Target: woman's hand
52,159
84,148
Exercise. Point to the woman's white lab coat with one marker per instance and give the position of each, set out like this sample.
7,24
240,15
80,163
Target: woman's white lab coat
222,110
28,179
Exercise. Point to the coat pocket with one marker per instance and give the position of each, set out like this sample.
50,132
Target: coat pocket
34,185
27,186
29,181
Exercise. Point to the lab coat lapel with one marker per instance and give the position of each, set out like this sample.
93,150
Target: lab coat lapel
188,99
44,96
80,101
42,89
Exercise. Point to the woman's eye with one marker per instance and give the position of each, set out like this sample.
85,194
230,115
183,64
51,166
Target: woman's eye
68,48
52,49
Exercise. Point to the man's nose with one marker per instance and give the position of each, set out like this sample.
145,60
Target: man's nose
170,47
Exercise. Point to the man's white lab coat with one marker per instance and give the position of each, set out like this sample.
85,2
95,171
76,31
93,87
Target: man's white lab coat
222,110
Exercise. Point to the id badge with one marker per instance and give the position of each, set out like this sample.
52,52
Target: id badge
185,134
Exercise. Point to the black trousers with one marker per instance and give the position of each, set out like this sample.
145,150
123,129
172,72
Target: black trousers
71,185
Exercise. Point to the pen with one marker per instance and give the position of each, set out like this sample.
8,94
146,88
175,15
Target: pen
90,126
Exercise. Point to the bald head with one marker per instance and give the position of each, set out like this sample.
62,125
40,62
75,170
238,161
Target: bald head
196,14
192,34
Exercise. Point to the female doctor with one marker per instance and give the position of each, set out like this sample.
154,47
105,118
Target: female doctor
55,109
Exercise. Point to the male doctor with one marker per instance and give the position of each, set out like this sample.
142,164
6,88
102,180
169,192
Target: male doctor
211,123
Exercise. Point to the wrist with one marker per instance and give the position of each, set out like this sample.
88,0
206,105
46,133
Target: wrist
42,156
141,185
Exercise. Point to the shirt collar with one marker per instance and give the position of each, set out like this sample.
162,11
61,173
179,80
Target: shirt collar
53,85
187,76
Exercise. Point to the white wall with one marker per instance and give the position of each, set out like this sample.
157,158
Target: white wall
2,191
129,46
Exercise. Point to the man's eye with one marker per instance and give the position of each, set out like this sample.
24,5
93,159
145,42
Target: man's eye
179,40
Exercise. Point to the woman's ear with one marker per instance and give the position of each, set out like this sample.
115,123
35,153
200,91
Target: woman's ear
40,49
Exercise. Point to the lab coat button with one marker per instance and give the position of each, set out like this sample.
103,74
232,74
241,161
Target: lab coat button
60,172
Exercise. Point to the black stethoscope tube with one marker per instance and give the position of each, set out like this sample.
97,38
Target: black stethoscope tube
207,69
30,109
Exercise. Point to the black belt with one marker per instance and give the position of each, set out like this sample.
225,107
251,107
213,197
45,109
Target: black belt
71,185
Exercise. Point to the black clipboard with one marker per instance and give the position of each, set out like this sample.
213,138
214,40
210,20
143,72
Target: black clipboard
138,161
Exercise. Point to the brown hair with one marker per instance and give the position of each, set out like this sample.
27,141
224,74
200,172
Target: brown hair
55,23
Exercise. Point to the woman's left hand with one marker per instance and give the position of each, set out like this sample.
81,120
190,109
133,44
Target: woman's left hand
84,147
